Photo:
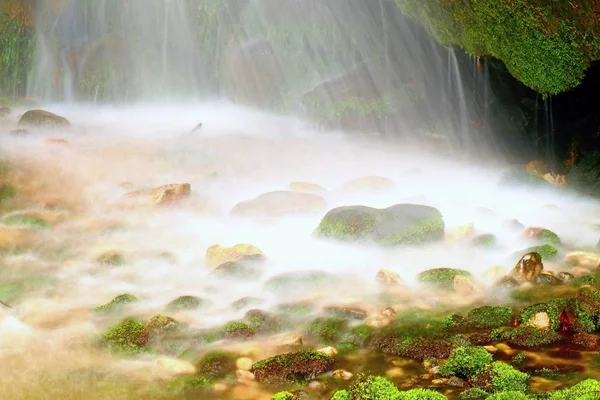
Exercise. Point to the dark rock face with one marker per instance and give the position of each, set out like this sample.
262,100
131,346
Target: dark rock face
528,267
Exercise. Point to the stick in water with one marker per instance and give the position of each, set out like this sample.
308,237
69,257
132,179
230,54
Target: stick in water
196,128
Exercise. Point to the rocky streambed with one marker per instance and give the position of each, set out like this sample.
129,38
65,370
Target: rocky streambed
138,262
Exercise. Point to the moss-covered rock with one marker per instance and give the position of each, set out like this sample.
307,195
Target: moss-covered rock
217,255
465,362
264,322
112,257
396,225
117,302
442,278
509,395
473,394
186,303
244,269
529,336
217,365
292,367
43,118
238,330
585,280
546,46
373,387
489,317
127,337
27,220
542,235
501,377
416,348
484,241
328,330
553,308
546,251
282,396
584,390
246,302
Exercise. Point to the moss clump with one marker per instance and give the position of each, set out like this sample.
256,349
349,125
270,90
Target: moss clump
117,302
501,377
292,367
489,317
7,192
114,258
25,220
240,270
554,309
519,359
441,278
421,394
587,310
329,330
528,336
190,382
473,394
546,46
282,396
588,389
546,236
585,280
185,303
373,387
341,395
509,395
484,241
245,302
263,322
396,225
127,337
217,365
238,330
465,362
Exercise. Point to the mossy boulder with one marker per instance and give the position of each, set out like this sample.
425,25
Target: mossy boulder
245,302
217,255
546,251
409,346
489,317
113,258
244,269
552,308
585,280
117,303
186,303
283,396
484,241
127,337
378,387
238,330
529,336
42,118
25,220
442,278
264,322
542,235
473,394
501,377
328,330
584,390
465,362
400,224
217,365
292,367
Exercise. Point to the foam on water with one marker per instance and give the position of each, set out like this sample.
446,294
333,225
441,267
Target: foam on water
237,155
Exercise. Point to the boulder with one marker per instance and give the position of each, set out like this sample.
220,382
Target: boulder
528,267
218,255
42,118
396,225
307,187
292,367
163,195
280,202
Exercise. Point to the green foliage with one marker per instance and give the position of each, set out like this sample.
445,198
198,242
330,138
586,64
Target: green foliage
329,330
508,395
373,387
442,278
282,396
588,389
489,317
501,377
128,337
545,45
341,395
466,361
473,394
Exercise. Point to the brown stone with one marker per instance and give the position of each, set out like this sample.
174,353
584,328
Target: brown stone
163,195
217,255
528,267
388,278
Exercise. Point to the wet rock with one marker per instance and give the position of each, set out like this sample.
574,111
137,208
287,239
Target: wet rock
566,277
584,259
307,187
4,112
528,267
244,363
537,168
547,279
441,278
546,315
348,312
342,374
186,303
369,183
217,255
238,330
161,196
529,336
456,382
329,351
546,251
217,364
117,303
542,235
540,320
176,366
248,268
586,341
160,325
388,278
264,322
396,225
244,375
291,340
382,319
43,118
281,202
299,366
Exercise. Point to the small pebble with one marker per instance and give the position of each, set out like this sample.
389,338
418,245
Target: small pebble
315,385
342,374
330,351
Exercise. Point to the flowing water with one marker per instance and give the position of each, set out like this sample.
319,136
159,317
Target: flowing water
236,155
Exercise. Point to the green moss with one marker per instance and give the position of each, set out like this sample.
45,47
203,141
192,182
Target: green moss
263,322
509,395
217,365
546,251
547,46
484,241
341,395
190,382
548,237
489,317
442,278
17,43
501,377
329,330
128,337
117,302
373,387
473,394
546,373
282,396
585,280
25,220
236,329
292,367
519,359
185,303
465,362
421,394
528,336
588,389
7,192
